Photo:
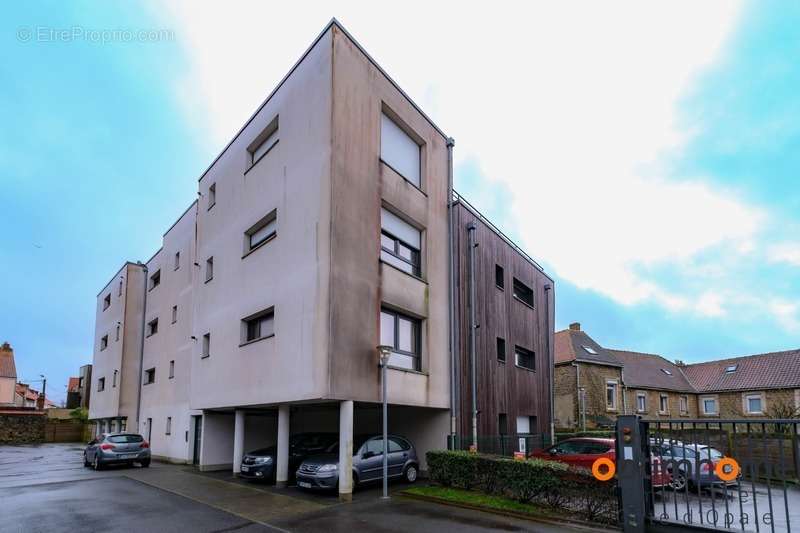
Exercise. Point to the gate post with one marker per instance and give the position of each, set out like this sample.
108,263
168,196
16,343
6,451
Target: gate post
630,474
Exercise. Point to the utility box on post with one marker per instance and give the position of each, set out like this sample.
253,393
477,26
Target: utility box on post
631,470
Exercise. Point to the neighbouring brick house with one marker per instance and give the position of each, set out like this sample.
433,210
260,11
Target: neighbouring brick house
594,384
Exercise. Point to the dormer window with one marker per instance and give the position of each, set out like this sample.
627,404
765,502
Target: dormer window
667,372
589,350
731,369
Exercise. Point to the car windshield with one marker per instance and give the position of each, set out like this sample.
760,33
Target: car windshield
125,439
358,442
713,452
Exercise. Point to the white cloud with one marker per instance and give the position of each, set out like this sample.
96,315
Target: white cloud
788,252
572,106
786,313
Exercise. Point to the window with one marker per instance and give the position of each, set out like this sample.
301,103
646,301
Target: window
101,384
684,404
663,403
212,195
261,232
667,372
152,327
641,402
709,405
499,277
754,404
262,144
117,334
501,350
524,358
174,313
209,269
149,376
589,350
114,379
258,326
611,395
206,349
106,302
502,424
169,426
526,425
400,151
177,260
103,342
155,279
400,243
402,333
731,369
523,293
119,291
171,369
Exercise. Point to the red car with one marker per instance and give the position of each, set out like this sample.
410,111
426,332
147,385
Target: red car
584,451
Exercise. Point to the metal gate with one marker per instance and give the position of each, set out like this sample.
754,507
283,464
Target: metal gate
722,475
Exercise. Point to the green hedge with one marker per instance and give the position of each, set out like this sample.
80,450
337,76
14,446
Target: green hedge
546,483
599,433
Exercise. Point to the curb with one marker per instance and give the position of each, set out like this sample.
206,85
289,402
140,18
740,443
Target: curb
577,524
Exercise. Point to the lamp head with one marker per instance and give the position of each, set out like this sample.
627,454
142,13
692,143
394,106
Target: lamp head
383,354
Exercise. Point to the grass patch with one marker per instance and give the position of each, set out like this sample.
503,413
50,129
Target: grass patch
478,499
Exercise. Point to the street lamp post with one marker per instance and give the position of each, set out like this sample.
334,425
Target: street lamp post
383,355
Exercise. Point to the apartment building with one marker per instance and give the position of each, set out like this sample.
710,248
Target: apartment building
320,232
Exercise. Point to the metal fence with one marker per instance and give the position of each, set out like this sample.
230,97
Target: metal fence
724,474
505,445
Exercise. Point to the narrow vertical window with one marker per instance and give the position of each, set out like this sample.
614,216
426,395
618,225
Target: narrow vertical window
103,342
206,348
499,277
155,279
114,379
212,195
402,333
174,313
169,426
106,302
209,269
117,336
177,260
171,369
119,292
501,350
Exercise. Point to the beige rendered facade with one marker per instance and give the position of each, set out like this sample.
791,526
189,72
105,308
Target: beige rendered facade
290,273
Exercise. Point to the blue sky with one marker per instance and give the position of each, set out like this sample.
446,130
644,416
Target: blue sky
648,159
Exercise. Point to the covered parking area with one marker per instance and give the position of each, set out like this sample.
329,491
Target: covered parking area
227,434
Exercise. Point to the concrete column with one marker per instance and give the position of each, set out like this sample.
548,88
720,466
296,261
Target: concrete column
346,451
238,441
282,459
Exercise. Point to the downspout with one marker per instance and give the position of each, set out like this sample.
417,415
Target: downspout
471,227
451,293
547,289
581,420
624,390
141,345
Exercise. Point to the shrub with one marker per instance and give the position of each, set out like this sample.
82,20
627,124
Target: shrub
536,481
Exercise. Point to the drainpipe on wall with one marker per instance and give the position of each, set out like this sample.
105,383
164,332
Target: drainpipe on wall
579,396
141,345
451,293
547,289
624,390
471,227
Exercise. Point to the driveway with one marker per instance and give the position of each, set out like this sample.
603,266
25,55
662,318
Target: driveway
46,488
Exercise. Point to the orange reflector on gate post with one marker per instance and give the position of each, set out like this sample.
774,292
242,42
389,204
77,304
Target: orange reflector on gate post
610,469
730,474
519,456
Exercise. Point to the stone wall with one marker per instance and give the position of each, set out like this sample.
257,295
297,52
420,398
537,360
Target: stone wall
22,427
652,403
594,378
566,401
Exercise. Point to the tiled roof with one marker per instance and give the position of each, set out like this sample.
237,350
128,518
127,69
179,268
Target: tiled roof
647,371
763,371
7,367
571,345
27,392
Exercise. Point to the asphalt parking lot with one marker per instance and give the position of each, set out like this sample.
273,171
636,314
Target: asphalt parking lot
45,488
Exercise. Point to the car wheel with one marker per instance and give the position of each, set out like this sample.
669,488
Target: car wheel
678,482
145,463
411,473
96,464
85,460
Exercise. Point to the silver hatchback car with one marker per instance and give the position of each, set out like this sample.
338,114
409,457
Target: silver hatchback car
322,471
116,448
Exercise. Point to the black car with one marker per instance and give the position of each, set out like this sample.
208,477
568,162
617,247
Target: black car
260,464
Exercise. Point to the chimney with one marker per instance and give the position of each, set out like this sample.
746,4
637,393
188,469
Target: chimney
40,401
678,362
575,326
6,347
